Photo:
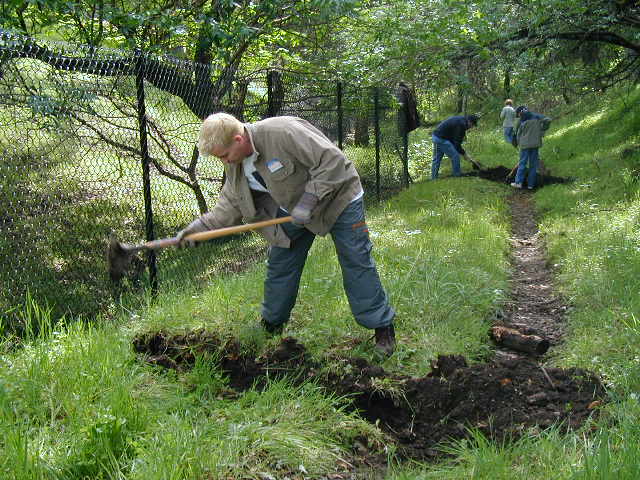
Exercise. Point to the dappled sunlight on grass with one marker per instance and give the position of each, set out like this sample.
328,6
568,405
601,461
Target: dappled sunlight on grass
587,121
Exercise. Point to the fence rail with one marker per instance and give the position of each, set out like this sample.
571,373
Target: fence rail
96,142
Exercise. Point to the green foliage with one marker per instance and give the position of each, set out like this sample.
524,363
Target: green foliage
220,30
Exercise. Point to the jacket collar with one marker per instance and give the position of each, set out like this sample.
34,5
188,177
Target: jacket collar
248,127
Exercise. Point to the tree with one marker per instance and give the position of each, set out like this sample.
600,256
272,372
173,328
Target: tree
219,35
472,51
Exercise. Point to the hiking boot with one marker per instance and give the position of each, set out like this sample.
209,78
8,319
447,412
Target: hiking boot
386,340
271,328
516,185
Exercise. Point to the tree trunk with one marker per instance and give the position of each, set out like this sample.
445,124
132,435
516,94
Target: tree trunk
361,137
202,202
238,98
275,93
507,83
460,104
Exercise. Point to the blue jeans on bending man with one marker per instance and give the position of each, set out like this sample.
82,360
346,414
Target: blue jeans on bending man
531,157
442,147
367,298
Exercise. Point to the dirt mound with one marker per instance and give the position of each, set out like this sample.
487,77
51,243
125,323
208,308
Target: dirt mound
501,399
500,173
179,352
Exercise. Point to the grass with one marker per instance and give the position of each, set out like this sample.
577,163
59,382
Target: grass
76,402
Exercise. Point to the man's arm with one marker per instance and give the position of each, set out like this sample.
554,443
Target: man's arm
223,214
516,134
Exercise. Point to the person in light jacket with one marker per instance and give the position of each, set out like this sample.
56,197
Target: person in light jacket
530,129
285,166
508,116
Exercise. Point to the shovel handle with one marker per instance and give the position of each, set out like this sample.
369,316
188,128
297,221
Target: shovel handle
209,234
156,244
223,232
513,170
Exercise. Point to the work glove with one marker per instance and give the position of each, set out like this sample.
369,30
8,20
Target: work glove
194,227
302,211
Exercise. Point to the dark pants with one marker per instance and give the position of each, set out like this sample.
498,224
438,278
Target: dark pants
367,299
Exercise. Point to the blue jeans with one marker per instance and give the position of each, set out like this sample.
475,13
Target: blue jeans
367,298
530,156
508,135
440,148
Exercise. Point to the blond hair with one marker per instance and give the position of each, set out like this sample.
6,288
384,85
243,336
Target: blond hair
508,101
218,129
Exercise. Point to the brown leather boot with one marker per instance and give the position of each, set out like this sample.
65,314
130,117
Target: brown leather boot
386,340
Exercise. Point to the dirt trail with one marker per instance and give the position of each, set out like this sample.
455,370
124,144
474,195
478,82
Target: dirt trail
511,394
533,301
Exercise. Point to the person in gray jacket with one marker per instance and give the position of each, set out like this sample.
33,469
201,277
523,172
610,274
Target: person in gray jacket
508,116
285,166
528,137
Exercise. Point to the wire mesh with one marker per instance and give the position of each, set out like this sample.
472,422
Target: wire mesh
71,162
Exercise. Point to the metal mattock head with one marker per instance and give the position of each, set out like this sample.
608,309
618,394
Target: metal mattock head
118,259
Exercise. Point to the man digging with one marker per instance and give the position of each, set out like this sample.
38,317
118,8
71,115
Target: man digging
285,166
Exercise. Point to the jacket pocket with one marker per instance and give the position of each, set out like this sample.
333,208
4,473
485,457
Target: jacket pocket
280,168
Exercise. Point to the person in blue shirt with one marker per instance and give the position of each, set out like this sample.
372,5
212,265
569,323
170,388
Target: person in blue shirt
447,140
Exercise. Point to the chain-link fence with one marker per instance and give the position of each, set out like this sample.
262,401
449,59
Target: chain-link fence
96,142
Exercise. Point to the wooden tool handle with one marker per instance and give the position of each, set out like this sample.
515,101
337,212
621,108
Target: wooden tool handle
156,244
223,232
209,234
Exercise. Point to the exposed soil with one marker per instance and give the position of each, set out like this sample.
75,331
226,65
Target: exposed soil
510,394
501,174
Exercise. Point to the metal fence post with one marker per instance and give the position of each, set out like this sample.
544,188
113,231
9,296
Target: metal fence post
146,182
376,125
405,157
340,114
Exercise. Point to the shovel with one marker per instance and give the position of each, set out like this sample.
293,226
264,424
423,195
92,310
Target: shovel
119,254
512,172
476,165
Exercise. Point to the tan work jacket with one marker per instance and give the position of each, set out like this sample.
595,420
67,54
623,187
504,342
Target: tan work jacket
293,157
